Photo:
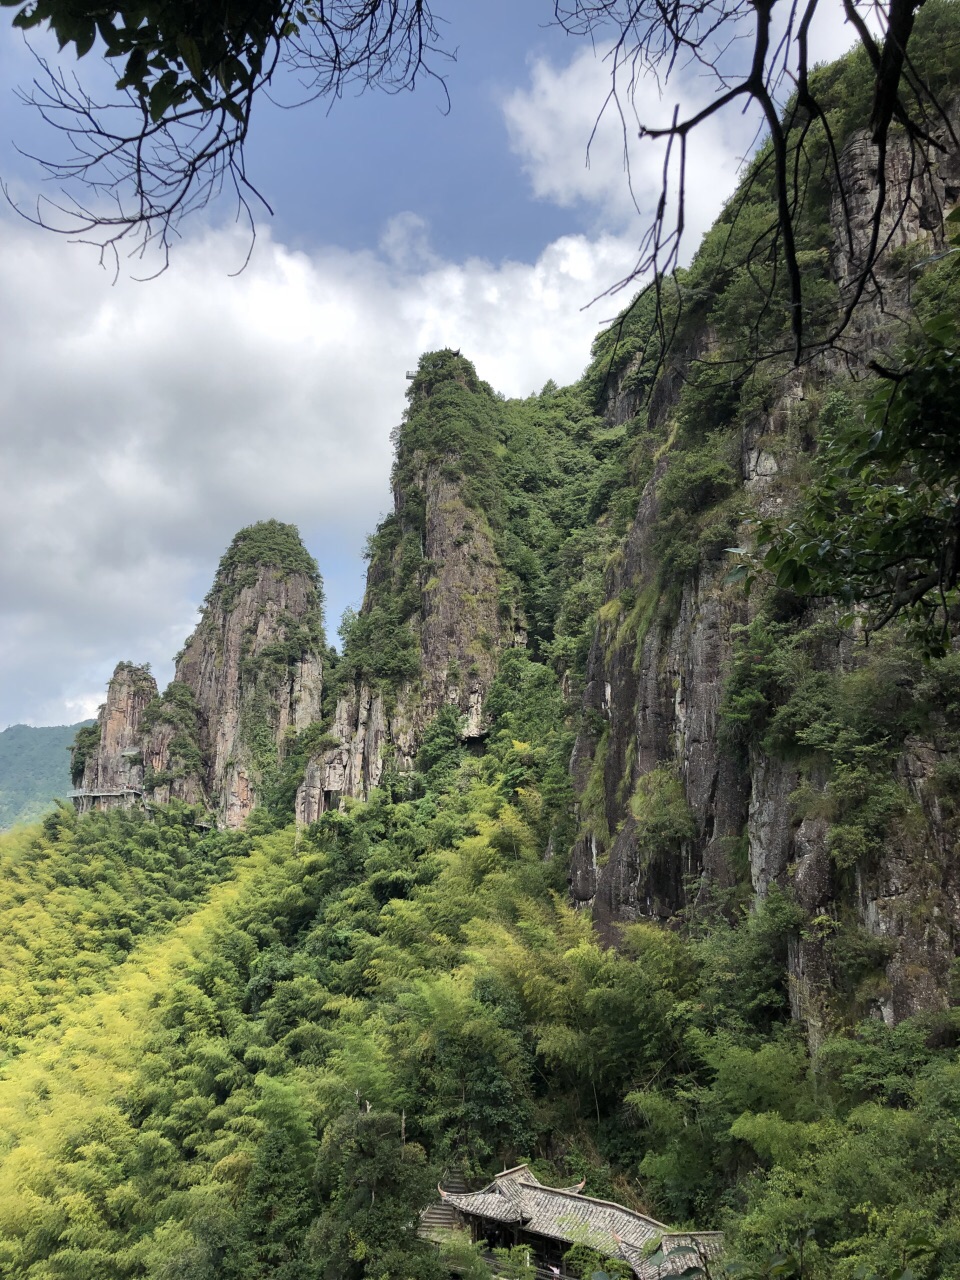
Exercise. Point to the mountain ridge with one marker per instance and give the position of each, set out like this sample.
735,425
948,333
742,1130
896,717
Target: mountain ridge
34,769
603,866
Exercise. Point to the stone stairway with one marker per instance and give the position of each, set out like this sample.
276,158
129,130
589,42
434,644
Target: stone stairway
440,1216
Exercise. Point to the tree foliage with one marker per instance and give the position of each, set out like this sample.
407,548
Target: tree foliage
251,1055
269,1085
188,77
35,768
270,544
879,528
893,96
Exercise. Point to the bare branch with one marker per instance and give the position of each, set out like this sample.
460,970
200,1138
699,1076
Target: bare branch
663,37
170,143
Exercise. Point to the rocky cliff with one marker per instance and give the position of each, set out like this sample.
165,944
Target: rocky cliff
730,747
254,664
111,774
438,607
249,677
726,751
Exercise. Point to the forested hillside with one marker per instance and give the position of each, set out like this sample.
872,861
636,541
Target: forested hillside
34,770
602,863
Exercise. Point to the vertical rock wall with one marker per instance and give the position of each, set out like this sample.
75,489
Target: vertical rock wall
660,659
459,626
249,690
113,774
250,673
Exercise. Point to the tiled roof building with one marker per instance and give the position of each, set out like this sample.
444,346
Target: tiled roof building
516,1208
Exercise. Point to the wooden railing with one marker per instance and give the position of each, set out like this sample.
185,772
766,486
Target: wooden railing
535,1272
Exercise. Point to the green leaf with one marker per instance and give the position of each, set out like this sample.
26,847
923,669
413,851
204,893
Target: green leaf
26,19
162,95
190,53
135,70
84,38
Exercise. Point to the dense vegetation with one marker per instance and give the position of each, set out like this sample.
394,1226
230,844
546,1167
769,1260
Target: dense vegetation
34,770
878,528
272,1086
80,894
252,1056
552,484
267,543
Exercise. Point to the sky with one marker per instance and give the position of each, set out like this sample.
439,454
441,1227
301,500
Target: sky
142,423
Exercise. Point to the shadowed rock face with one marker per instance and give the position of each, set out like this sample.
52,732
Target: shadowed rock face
654,691
251,672
354,767
253,676
460,630
457,624
658,696
169,774
113,774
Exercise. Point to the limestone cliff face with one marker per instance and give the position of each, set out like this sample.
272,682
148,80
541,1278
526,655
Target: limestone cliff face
677,813
113,772
251,673
671,817
435,577
365,734
911,223
254,668
461,631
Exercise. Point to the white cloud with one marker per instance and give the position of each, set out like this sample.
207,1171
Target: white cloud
550,125
579,144
831,34
143,424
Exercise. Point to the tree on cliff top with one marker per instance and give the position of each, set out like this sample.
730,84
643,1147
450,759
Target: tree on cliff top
174,138
756,54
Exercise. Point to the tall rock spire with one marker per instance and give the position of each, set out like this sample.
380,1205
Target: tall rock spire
108,762
251,671
438,607
254,664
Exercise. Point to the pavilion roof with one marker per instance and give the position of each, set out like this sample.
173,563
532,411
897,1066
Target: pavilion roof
564,1214
677,1250
482,1205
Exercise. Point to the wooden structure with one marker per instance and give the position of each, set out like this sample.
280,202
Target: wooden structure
516,1208
125,798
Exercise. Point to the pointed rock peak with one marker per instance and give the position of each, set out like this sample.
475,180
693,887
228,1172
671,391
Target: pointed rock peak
247,682
438,367
107,761
128,677
268,545
453,426
254,667
131,689
439,605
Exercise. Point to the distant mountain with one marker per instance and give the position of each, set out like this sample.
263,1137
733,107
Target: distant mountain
34,770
